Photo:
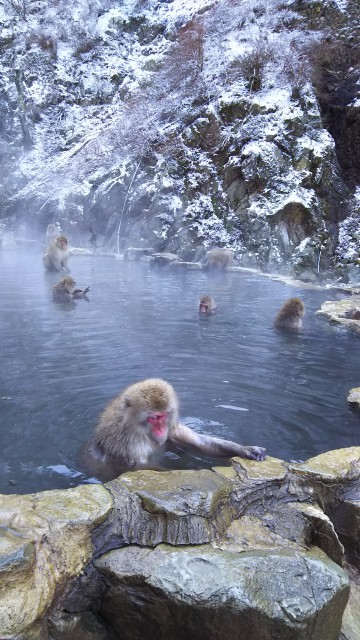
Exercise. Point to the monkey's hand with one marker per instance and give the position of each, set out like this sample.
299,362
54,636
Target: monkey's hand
215,446
254,453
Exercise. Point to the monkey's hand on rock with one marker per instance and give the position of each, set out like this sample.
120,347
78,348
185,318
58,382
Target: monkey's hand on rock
254,453
215,446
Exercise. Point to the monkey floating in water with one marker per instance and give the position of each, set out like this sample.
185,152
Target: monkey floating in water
135,425
64,291
290,315
207,305
57,255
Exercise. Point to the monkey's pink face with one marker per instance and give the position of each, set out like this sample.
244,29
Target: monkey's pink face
203,308
63,244
158,426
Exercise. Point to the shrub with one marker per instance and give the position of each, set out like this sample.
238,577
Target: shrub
252,64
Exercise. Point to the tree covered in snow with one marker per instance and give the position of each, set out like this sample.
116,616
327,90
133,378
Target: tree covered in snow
183,124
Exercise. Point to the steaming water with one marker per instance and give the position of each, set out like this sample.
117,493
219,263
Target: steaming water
235,376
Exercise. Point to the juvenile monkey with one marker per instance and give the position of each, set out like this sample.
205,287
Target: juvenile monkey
139,421
57,255
219,259
290,315
64,290
207,305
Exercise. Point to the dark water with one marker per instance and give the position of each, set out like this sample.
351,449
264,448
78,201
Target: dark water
234,375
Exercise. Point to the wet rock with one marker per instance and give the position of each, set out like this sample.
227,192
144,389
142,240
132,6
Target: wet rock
354,397
45,539
341,466
333,480
163,259
177,507
17,555
350,629
77,626
261,547
346,519
342,312
185,266
353,314
203,592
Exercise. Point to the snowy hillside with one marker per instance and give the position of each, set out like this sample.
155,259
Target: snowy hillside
185,124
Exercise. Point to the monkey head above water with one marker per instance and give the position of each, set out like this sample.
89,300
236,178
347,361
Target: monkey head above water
139,421
290,315
207,305
57,255
64,290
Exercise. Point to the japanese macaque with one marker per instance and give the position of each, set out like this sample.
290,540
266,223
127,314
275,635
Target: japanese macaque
290,315
52,232
57,255
207,305
135,425
219,259
64,290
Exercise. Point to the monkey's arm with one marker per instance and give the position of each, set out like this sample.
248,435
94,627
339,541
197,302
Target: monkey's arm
80,293
214,446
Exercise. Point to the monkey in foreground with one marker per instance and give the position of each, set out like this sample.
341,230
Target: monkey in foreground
219,259
290,315
64,290
139,421
57,255
207,305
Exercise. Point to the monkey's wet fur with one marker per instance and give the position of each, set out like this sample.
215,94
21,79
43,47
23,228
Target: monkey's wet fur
207,305
64,290
289,317
57,255
139,422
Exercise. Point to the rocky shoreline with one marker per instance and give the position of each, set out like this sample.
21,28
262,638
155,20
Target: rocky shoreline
271,548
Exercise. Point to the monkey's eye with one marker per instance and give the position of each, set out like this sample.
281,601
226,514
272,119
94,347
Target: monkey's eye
157,418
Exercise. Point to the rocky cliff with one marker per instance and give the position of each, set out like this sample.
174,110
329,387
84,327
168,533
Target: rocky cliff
181,125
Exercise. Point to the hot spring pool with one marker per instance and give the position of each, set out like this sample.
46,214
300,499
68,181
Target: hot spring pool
235,376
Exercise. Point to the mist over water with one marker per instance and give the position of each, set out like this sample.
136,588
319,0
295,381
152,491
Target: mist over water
235,376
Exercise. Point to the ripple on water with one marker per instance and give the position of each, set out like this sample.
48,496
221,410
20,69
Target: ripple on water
235,376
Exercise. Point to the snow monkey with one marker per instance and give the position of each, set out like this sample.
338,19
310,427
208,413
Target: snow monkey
207,305
219,259
64,290
57,255
290,315
52,231
139,421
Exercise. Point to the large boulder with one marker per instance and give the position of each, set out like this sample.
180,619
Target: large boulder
201,592
45,540
257,550
344,312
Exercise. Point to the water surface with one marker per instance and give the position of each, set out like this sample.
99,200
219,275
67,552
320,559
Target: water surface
235,376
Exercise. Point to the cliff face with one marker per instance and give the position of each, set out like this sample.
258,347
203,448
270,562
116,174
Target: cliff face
182,125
